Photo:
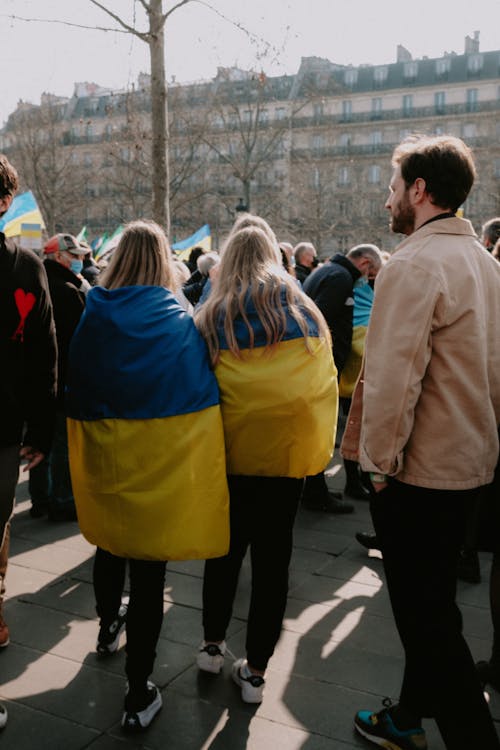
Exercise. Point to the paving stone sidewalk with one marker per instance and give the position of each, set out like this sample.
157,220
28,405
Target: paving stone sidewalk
339,650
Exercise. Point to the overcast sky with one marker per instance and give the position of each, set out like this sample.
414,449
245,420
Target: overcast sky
37,56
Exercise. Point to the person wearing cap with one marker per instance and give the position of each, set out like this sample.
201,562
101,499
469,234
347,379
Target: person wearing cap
27,375
50,483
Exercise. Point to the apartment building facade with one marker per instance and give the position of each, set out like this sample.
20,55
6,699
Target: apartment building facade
310,152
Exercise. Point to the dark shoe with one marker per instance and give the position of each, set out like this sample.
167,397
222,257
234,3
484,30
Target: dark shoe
468,569
4,632
138,716
488,674
331,502
109,635
38,510
59,514
380,729
368,541
356,490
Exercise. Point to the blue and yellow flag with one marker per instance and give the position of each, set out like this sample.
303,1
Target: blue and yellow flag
201,238
363,303
23,210
279,404
144,429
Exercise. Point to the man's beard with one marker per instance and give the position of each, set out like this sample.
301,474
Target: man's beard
403,218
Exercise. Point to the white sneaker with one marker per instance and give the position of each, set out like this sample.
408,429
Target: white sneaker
3,716
210,657
252,685
136,721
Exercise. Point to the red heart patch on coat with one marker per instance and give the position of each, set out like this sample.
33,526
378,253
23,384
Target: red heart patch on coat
24,302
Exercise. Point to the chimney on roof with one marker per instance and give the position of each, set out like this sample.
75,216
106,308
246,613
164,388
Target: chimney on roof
472,44
403,55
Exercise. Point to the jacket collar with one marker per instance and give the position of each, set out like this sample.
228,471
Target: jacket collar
451,226
343,261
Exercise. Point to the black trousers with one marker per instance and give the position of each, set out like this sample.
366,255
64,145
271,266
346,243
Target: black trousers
421,532
263,511
145,609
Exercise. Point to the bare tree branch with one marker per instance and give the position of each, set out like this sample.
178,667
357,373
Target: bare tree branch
61,23
142,35
175,7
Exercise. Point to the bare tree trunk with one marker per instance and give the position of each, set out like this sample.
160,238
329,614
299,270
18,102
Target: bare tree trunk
159,119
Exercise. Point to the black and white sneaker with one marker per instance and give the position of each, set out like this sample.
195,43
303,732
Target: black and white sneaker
109,636
210,657
252,685
136,720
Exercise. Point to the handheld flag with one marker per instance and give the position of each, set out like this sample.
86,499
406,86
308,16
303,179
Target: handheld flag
201,238
23,210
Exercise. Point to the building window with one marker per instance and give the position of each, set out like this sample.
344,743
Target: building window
410,69
376,106
471,100
315,179
317,143
439,102
263,116
87,160
351,77
496,167
247,116
376,139
374,174
407,104
380,74
475,63
345,140
280,113
404,134
318,110
343,176
346,109
443,66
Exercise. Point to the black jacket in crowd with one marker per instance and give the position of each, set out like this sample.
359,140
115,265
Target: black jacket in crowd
332,288
302,272
68,303
27,350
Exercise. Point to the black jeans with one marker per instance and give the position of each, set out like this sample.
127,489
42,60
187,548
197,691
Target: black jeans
263,511
145,609
421,532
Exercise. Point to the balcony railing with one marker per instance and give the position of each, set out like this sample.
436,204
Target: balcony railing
398,114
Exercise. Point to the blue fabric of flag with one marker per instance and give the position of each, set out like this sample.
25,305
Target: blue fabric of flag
193,240
242,333
143,336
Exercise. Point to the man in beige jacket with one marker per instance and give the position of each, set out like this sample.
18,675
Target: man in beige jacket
428,435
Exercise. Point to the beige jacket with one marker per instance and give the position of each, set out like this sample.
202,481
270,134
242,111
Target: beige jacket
431,402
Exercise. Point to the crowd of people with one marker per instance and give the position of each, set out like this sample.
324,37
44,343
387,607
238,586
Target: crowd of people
240,362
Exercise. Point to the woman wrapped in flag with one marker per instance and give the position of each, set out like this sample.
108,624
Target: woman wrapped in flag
272,354
146,449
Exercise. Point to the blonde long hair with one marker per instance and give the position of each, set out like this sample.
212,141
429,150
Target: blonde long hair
250,269
142,258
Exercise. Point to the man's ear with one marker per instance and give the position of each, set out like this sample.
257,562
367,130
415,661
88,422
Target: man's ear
419,190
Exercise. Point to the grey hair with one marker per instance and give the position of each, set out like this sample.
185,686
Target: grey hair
362,251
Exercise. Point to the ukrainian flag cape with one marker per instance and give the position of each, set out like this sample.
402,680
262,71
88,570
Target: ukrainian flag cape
145,433
279,404
363,303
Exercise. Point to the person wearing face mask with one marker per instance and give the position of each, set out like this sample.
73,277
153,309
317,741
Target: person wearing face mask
50,482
